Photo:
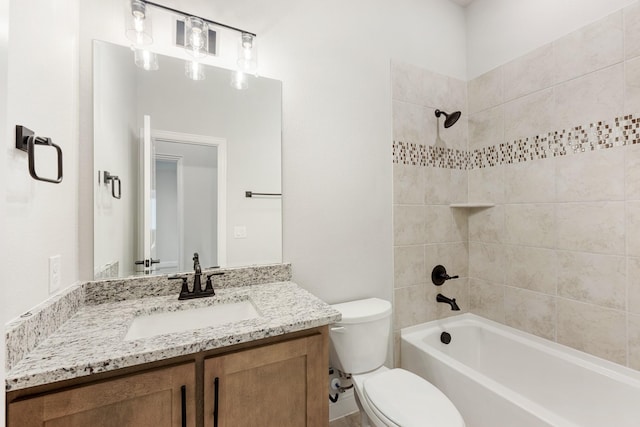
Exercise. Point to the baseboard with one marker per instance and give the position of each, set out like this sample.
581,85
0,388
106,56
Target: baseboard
345,405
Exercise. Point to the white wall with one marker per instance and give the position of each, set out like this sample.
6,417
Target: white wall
41,218
200,195
167,233
499,31
333,59
250,122
116,142
4,306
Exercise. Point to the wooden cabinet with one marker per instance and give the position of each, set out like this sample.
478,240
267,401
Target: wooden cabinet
158,398
280,385
280,382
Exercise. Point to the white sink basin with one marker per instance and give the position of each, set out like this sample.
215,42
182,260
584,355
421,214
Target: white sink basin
168,322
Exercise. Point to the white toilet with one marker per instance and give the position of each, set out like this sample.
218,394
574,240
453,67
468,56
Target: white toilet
386,397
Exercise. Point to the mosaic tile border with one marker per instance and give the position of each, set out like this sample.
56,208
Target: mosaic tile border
601,135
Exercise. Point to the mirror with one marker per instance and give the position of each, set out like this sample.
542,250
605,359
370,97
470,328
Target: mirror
173,160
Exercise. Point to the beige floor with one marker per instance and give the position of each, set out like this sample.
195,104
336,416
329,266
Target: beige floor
352,420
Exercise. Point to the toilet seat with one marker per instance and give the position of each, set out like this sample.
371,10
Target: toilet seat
401,398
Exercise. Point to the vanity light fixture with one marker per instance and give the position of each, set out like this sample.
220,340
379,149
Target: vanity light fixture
194,70
145,59
247,54
239,80
139,29
196,40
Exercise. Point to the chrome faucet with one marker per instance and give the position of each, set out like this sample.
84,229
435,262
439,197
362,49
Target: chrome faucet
450,301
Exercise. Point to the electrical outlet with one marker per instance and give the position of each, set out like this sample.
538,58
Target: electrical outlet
54,273
240,232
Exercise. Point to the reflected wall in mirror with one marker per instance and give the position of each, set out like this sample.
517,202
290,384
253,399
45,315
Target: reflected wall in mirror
183,154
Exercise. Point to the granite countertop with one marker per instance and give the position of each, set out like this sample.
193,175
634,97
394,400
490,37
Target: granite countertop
92,340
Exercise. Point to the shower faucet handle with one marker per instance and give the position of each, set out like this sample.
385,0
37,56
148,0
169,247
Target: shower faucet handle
439,275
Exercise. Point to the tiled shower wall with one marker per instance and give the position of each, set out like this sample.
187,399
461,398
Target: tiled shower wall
559,254
554,143
427,176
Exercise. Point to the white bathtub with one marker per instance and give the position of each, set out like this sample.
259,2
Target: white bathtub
498,376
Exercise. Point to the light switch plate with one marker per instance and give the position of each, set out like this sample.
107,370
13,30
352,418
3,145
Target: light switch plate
54,273
240,232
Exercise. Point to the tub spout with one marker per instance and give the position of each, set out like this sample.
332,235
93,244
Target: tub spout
450,301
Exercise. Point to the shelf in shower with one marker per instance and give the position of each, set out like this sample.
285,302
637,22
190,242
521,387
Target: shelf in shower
472,205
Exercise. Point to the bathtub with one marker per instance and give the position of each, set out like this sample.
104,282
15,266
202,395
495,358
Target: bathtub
498,376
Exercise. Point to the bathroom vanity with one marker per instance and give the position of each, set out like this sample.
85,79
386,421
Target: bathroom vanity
264,370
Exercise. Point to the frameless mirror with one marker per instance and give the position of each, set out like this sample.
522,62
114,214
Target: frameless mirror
174,159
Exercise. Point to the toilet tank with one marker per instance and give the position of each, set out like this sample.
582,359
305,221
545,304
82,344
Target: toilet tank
359,341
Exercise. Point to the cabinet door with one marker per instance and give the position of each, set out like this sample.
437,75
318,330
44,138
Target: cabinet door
277,385
160,398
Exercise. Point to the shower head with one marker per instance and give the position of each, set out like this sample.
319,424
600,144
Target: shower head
450,119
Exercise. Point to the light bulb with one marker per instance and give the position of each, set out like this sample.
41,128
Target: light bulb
194,70
247,54
196,32
139,28
239,80
145,59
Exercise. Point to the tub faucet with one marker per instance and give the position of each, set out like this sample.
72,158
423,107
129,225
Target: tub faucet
450,301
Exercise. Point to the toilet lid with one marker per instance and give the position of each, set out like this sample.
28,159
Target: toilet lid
408,400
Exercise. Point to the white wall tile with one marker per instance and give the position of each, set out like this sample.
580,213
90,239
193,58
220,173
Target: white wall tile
485,91
407,83
530,312
530,182
634,341
591,227
632,230
408,265
633,284
439,224
408,123
444,224
456,96
486,185
596,330
408,225
444,186
408,184
593,278
529,73
410,306
486,128
435,89
532,268
632,86
594,97
487,262
590,48
632,172
486,224
530,115
486,299
530,224
592,176
632,30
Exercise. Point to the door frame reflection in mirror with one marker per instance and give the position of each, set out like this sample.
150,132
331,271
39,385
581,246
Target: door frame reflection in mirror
221,146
